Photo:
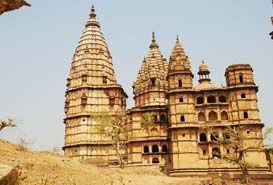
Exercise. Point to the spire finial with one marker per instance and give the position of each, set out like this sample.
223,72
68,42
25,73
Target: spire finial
154,44
93,13
177,38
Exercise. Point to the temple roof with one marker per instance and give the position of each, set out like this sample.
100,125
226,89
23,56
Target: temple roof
154,66
178,59
92,56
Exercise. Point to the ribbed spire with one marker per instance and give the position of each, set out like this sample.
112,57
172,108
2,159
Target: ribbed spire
92,57
152,77
178,59
178,49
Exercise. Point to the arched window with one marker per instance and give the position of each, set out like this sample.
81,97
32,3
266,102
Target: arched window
152,80
212,116
182,118
104,79
203,137
243,95
146,149
162,117
204,152
241,78
216,153
200,100
155,148
84,78
155,160
224,115
222,99
179,83
211,99
164,148
180,100
245,115
214,136
201,116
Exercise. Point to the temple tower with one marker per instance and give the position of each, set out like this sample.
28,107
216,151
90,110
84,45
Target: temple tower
182,120
91,89
148,119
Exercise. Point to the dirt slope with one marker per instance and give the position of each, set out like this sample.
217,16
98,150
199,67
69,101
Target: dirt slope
45,168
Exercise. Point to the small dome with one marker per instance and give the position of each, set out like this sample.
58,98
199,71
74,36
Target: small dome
203,69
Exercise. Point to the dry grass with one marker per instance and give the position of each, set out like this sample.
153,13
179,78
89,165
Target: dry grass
46,168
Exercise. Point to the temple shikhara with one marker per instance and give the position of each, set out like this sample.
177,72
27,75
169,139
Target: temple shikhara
187,119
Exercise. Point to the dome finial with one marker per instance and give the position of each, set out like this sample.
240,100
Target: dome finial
93,13
203,61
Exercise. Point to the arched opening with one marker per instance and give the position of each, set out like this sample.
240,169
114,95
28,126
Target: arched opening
179,83
245,115
211,99
204,152
155,160
152,80
212,116
164,148
214,136
224,115
162,117
84,78
216,153
241,78
243,95
203,137
155,149
182,118
222,99
146,149
200,100
201,116
104,79
180,100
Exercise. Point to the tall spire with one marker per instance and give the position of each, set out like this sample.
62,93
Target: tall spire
152,76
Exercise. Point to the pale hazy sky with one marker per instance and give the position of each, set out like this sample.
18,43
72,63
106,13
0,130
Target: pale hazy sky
37,44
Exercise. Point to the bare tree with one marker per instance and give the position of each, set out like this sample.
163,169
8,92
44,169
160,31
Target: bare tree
114,127
4,124
9,5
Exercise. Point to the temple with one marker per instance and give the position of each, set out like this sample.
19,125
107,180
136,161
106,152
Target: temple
187,119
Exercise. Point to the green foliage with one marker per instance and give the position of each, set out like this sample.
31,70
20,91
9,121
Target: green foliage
114,126
147,119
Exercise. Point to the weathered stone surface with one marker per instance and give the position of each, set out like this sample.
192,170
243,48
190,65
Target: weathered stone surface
8,175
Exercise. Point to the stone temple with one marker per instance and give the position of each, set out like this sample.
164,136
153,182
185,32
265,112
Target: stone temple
187,119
